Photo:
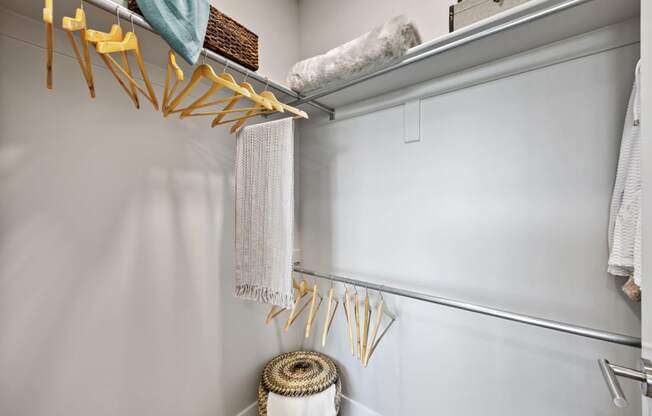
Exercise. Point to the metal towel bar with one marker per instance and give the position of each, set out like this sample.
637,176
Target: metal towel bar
611,371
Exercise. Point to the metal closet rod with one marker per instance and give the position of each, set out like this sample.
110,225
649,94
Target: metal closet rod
441,49
124,12
484,310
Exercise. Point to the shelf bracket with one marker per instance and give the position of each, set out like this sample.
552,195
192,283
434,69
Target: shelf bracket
412,121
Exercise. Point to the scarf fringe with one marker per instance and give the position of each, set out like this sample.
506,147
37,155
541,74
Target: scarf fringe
264,295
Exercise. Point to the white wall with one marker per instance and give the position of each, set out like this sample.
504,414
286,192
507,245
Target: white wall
504,202
326,24
116,250
277,25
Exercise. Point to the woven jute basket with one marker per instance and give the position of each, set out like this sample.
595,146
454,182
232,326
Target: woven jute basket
297,374
226,37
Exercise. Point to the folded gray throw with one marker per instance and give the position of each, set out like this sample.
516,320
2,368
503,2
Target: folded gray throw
372,50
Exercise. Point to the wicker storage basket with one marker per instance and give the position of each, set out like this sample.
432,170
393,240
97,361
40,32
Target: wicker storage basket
226,37
297,374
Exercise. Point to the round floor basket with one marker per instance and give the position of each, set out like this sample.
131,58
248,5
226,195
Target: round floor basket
298,374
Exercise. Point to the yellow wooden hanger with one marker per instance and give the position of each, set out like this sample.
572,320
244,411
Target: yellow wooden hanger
47,18
268,105
257,99
366,321
258,110
276,310
203,71
129,44
115,35
314,307
356,310
189,111
349,320
78,24
231,101
172,68
296,311
380,312
330,313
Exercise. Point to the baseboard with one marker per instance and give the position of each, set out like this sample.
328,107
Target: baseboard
251,410
352,408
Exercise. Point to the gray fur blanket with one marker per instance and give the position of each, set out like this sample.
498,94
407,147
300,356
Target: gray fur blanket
372,50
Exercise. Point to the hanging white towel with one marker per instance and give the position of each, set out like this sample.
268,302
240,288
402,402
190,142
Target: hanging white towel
265,212
320,404
625,218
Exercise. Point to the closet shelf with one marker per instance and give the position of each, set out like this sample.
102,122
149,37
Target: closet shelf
522,28
531,25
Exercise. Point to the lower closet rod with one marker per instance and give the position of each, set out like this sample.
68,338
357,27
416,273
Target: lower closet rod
484,310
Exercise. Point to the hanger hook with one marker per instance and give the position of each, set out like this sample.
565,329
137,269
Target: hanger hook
226,65
355,288
81,4
131,18
380,291
117,14
246,75
203,59
266,83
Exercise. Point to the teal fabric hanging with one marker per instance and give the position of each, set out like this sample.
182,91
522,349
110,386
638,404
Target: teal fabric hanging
182,23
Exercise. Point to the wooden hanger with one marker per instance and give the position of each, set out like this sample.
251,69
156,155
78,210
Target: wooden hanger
78,24
366,321
172,68
349,320
115,35
275,310
259,102
330,313
231,102
380,311
204,71
129,44
257,99
356,310
258,110
47,18
294,312
314,307
277,106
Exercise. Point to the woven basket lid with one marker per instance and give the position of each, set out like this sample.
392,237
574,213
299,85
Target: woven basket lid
299,373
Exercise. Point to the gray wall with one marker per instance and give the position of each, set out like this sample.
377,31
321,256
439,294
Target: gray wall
326,24
504,202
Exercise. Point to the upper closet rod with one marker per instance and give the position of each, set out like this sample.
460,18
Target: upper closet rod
485,310
408,60
111,7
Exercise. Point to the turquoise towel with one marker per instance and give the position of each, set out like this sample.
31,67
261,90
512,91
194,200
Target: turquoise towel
182,23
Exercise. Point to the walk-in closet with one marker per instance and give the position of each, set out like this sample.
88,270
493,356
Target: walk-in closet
320,208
